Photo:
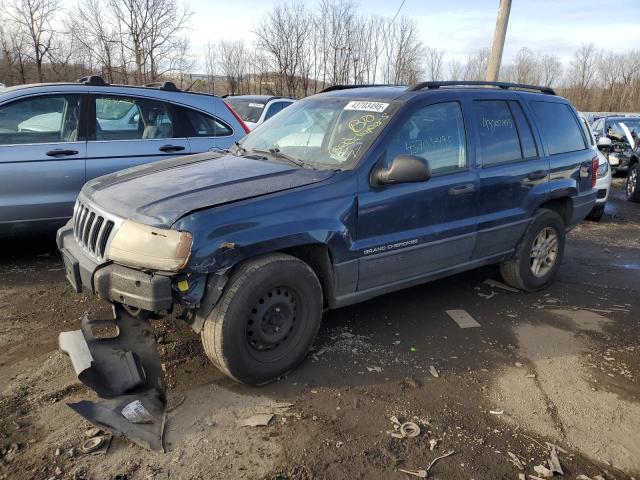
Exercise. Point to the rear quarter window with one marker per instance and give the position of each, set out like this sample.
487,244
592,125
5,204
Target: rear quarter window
559,126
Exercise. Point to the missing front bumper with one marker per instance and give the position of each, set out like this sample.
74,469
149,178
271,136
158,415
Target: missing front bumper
125,371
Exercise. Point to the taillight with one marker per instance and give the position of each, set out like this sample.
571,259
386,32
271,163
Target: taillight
237,117
594,170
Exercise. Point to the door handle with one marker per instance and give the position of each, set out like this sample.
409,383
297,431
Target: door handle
61,152
537,175
462,189
171,148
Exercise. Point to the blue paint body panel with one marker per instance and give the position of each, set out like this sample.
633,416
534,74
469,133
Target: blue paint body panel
378,238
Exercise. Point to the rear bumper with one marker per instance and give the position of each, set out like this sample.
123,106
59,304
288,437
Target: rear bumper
582,205
112,282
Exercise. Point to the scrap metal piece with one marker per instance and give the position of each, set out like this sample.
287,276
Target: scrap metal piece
125,372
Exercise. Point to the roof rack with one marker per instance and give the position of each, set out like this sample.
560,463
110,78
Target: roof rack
480,83
168,86
347,87
94,80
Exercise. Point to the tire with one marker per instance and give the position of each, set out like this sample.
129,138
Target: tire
266,320
596,213
632,189
518,270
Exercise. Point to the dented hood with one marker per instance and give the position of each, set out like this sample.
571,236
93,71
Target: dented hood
160,193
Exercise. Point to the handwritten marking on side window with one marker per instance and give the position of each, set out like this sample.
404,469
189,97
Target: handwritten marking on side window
494,123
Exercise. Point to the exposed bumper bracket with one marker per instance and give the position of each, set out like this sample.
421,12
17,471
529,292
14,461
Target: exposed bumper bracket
124,370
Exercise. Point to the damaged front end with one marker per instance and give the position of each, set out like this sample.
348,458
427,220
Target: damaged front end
118,359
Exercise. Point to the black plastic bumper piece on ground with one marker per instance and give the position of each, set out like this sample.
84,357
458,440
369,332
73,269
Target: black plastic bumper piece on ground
125,372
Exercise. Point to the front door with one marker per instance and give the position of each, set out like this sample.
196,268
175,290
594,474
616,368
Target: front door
407,231
125,131
42,155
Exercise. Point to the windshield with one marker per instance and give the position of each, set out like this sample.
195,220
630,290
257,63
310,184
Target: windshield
615,127
247,110
324,132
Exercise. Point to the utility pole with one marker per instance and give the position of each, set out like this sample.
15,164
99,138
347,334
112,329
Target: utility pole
493,69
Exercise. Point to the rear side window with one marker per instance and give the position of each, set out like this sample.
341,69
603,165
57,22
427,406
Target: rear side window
129,118
559,126
497,131
206,126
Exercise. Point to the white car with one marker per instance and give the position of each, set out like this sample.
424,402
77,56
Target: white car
603,181
257,109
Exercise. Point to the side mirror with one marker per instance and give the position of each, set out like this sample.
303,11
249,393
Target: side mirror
403,169
604,144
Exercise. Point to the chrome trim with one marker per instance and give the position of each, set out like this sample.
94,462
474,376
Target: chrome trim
86,218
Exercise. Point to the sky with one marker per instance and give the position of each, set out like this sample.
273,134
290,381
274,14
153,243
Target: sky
459,26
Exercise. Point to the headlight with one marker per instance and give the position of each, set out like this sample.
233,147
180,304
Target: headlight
142,246
602,169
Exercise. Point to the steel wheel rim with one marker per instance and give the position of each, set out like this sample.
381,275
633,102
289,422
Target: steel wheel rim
271,324
631,182
544,252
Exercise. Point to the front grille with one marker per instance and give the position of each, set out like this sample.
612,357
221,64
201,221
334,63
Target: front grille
93,229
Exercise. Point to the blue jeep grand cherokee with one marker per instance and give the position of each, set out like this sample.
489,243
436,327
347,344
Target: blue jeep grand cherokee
345,195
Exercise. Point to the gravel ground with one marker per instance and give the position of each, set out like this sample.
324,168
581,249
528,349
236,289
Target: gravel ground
559,366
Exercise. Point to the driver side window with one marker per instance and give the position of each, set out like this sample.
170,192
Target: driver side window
436,133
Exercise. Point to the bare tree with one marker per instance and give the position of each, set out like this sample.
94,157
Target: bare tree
525,67
233,63
475,67
434,64
210,63
582,72
150,31
35,18
550,69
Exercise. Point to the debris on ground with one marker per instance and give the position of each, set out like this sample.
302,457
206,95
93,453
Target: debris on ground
433,443
259,420
415,473
433,371
496,284
496,412
543,471
462,318
403,429
177,404
554,462
375,369
487,296
516,461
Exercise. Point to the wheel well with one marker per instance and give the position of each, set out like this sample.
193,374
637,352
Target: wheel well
318,257
562,206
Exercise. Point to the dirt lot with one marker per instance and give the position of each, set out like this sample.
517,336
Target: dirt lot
559,366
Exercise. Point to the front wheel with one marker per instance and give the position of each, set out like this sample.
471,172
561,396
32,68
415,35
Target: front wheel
538,255
633,183
266,319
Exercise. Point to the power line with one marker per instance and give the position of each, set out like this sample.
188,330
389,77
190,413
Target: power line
396,15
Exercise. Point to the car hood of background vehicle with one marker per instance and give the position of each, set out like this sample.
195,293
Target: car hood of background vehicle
159,193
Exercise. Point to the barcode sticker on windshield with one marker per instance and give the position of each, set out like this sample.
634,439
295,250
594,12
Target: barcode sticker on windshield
367,106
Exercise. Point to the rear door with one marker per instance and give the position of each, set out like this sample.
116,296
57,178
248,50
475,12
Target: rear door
514,173
407,231
125,131
42,156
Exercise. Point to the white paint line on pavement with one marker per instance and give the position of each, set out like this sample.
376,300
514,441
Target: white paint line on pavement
463,319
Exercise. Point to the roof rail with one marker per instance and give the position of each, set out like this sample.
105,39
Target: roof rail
94,80
168,86
347,87
480,83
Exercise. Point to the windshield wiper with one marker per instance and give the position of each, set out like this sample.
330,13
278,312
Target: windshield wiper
275,152
240,148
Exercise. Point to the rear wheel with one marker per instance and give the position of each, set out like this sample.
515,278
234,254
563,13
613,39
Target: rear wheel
633,183
265,321
538,255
